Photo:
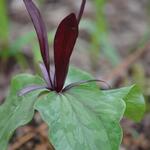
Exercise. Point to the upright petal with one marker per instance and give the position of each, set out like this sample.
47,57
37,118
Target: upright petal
40,30
81,10
65,39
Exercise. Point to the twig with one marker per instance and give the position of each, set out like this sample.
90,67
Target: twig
28,136
22,140
121,69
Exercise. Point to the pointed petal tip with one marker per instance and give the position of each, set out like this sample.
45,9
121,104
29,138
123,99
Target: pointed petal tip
40,29
64,42
81,10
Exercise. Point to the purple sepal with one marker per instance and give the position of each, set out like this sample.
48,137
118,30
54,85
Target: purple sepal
29,89
83,82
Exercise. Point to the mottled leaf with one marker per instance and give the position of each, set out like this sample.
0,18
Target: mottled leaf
135,104
17,111
82,119
86,118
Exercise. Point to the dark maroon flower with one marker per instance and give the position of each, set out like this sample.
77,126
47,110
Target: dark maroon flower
64,42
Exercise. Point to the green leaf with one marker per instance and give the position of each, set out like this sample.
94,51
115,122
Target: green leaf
82,119
17,111
135,104
75,75
85,118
